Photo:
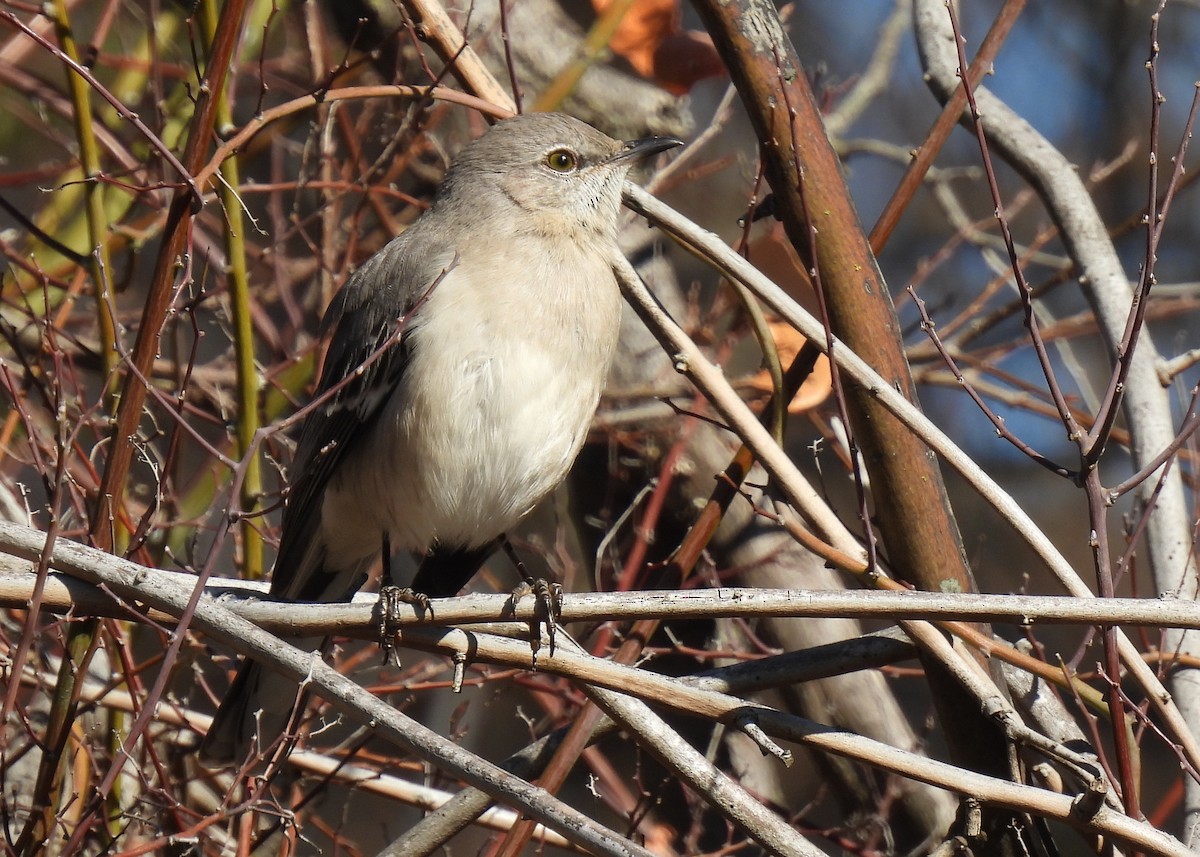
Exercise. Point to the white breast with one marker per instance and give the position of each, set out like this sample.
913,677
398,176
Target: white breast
493,408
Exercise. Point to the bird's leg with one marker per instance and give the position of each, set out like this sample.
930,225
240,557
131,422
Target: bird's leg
390,599
549,600
511,553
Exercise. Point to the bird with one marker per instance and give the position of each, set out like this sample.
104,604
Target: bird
465,362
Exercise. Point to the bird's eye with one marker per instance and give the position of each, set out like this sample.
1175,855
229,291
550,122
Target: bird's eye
562,160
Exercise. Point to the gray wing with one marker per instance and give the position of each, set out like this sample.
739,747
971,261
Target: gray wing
363,318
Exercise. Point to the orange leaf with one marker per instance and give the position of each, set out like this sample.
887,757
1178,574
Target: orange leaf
651,39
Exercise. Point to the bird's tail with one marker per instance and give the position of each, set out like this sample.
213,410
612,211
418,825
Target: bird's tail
255,712
253,717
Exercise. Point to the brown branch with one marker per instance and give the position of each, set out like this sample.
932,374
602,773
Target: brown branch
918,531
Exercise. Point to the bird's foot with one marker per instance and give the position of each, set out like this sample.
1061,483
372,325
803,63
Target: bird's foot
548,610
390,600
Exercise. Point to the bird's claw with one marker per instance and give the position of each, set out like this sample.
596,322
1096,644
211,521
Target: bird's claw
548,610
390,600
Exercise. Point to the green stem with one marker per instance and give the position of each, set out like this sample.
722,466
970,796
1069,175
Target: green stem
243,329
770,353
83,637
97,220
594,47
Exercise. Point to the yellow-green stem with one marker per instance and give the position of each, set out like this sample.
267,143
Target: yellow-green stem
47,795
243,330
89,159
594,47
82,638
770,353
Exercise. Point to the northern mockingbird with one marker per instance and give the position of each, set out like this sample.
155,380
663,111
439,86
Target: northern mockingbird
466,360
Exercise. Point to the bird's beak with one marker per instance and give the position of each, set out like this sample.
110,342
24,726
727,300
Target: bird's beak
638,150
